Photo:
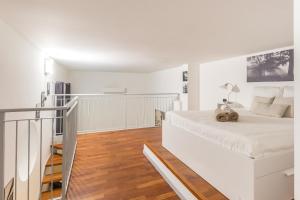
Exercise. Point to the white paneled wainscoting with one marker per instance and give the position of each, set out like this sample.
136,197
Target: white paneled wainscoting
108,112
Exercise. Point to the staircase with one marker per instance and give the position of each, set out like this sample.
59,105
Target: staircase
55,179
53,174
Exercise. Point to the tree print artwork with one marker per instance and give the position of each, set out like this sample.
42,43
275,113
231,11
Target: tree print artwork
271,67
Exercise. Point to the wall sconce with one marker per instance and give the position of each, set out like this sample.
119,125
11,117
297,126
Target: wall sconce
48,65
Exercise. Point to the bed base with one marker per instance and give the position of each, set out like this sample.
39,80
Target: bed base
235,175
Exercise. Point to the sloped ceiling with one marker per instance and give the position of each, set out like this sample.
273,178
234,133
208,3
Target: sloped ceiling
148,35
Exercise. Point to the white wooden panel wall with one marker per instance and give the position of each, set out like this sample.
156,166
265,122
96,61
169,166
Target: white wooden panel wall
117,112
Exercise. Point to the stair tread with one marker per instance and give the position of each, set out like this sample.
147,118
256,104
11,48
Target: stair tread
47,195
52,177
58,146
56,159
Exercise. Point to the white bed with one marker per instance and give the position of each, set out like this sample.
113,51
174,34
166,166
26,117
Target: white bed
253,136
247,160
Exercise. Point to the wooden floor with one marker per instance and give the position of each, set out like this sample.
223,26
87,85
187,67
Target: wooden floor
112,166
200,188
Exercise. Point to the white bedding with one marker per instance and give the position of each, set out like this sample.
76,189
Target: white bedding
253,135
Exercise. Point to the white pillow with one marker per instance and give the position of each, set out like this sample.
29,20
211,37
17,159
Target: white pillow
288,91
271,110
257,99
289,101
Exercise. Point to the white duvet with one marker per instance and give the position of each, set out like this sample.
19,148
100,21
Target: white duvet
252,135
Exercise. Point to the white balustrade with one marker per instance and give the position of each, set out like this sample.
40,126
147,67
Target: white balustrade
121,111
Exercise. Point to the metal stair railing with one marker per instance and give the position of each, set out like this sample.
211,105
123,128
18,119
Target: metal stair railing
15,127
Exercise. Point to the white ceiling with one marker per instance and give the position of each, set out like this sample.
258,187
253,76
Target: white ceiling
148,35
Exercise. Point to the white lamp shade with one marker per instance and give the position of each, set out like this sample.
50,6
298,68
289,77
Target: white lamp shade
224,86
235,89
230,87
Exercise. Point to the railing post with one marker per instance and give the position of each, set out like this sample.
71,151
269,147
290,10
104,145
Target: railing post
126,112
65,146
2,153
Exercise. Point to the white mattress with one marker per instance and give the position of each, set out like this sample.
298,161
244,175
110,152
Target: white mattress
253,135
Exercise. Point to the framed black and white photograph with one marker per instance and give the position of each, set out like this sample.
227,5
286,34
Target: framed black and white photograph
48,88
185,88
271,67
185,76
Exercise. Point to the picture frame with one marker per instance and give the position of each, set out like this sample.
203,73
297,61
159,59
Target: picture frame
271,67
185,88
185,76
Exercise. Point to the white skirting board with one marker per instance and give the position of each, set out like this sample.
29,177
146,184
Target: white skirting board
171,179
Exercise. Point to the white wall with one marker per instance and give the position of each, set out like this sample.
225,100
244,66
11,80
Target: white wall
59,73
90,82
21,82
193,85
168,81
163,81
297,106
21,70
233,70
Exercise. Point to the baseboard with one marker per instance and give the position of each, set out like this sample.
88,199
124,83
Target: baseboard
84,132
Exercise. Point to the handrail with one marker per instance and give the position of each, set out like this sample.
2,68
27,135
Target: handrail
69,120
72,102
71,108
11,110
107,94
32,119
66,107
69,145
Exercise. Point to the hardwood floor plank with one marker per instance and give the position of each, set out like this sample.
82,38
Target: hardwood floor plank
112,166
52,177
196,184
55,160
48,195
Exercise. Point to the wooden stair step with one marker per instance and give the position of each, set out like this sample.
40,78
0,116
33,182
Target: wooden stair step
58,146
47,195
199,187
55,159
52,177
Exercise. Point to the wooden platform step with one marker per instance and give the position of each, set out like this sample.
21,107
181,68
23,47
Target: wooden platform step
200,188
48,195
52,177
58,146
55,159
